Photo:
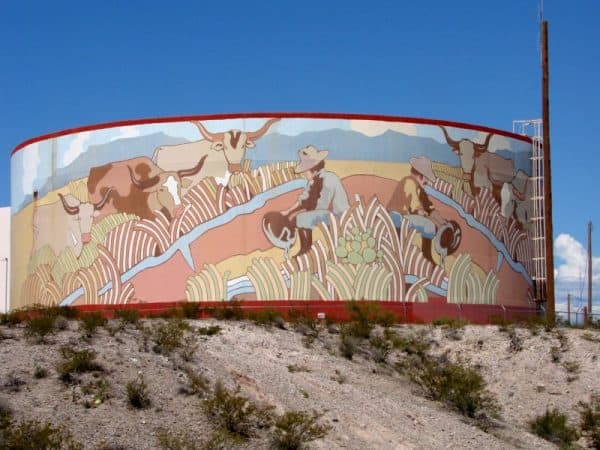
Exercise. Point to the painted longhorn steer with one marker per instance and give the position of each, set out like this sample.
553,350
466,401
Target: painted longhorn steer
140,187
224,152
67,223
481,168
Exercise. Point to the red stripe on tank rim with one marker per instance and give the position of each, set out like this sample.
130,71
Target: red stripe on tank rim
282,115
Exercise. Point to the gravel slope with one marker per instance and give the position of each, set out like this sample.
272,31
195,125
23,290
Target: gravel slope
372,406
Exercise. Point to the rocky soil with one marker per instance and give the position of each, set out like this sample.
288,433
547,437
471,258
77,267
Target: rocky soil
366,404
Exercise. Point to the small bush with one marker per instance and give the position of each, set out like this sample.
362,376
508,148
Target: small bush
39,372
230,311
170,441
168,335
295,428
293,368
76,361
266,318
555,354
190,310
89,323
130,316
590,419
339,377
447,322
348,344
11,318
39,327
209,331
516,343
233,412
197,384
188,347
13,382
553,426
137,393
30,435
380,349
99,390
411,345
459,386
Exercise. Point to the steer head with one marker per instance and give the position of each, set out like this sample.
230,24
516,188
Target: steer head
164,188
82,214
234,143
468,151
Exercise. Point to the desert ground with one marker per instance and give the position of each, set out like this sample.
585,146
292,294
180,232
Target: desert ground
366,402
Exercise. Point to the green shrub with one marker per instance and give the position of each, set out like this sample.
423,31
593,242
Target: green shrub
13,382
411,345
516,343
188,347
380,349
448,322
233,412
459,386
168,335
190,310
39,372
209,331
89,323
348,344
553,426
590,419
34,435
555,354
363,318
137,393
5,414
295,428
99,390
76,361
229,311
39,327
170,441
12,318
266,318
130,316
197,384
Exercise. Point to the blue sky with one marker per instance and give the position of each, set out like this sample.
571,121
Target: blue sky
68,64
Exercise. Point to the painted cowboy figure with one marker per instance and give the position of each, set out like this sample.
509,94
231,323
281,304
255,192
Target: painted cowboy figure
410,202
324,193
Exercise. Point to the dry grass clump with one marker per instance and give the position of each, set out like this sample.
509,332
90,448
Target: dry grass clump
40,327
234,413
295,428
554,426
209,331
90,322
590,419
137,393
76,361
168,335
32,435
128,316
197,384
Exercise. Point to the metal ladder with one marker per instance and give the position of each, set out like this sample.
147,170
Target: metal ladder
534,128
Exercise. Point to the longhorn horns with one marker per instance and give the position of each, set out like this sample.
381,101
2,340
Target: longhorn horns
143,184
479,148
72,210
194,170
98,206
252,135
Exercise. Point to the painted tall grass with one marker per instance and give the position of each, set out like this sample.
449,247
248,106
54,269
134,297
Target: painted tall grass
466,287
207,285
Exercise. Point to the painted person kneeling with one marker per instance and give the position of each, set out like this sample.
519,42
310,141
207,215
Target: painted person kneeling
323,193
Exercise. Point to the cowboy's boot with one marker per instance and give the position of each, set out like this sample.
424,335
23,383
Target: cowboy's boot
305,240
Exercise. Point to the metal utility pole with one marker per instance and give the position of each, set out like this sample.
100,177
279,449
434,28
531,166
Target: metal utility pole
569,309
589,255
548,232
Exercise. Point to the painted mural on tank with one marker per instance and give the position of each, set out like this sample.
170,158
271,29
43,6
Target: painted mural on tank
273,208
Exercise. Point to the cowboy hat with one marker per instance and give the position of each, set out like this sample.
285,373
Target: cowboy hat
309,157
423,165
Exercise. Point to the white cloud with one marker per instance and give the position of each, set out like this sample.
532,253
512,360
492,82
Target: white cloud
373,128
574,255
126,132
570,273
31,163
76,147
